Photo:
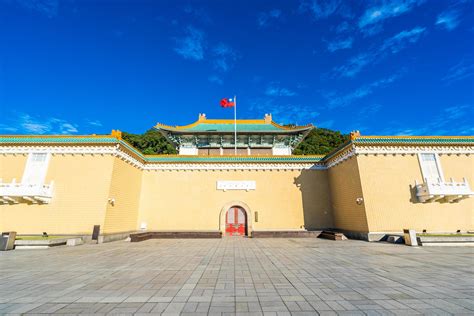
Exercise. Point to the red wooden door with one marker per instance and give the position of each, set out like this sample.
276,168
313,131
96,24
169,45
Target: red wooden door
235,222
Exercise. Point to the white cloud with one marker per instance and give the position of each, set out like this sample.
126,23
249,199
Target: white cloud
449,19
274,90
96,123
462,70
391,45
340,44
387,9
46,7
224,57
27,124
450,120
399,41
199,14
192,45
336,100
264,18
324,9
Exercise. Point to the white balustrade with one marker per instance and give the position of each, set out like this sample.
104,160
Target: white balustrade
452,191
14,192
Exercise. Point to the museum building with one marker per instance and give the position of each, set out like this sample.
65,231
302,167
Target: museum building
235,179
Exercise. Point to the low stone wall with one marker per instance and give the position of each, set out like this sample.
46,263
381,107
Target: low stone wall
285,234
136,237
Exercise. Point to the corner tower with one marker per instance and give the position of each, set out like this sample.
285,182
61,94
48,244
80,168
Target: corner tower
211,137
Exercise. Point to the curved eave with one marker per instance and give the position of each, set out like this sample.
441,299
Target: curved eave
247,132
187,129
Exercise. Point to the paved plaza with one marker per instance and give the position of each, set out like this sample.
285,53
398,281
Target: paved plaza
239,276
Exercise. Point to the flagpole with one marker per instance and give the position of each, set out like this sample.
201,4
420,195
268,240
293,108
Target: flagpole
235,125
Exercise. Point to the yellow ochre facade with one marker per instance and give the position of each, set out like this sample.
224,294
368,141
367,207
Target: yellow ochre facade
369,187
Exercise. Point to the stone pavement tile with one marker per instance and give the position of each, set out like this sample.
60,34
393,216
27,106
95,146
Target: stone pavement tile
435,311
200,299
160,299
159,308
20,308
466,303
320,306
190,307
146,308
353,312
258,275
402,312
273,307
246,299
174,308
293,298
326,313
47,308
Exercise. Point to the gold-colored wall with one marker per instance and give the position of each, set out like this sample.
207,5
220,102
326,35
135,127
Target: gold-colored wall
81,187
125,190
390,201
189,200
345,188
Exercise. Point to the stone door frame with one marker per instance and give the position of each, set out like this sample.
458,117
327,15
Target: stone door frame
243,206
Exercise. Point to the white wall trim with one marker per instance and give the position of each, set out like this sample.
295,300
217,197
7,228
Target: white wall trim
351,150
403,150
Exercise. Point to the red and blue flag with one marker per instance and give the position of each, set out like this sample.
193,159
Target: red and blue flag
227,103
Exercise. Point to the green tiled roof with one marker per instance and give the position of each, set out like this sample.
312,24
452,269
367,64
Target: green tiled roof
5,139
413,140
205,127
230,159
361,140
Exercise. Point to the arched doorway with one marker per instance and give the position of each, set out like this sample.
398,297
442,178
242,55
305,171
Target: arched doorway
225,221
236,221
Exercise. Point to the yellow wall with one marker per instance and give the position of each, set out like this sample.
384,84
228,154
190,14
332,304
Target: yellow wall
81,186
189,200
387,183
125,189
345,188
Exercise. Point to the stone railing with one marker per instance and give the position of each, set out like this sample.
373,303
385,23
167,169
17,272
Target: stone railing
431,191
13,192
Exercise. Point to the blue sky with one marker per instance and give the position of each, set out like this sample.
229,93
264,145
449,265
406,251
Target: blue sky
381,67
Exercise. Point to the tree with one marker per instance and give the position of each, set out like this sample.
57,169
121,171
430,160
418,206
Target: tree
320,141
150,143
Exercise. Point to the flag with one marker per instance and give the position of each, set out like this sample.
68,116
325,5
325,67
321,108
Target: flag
227,103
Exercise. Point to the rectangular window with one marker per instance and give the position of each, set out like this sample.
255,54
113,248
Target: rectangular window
36,168
430,167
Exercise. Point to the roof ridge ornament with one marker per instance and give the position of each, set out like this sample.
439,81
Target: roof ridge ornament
268,118
355,134
116,133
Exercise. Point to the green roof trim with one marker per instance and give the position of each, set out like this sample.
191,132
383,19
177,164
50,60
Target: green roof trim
234,159
413,140
206,127
361,140
5,139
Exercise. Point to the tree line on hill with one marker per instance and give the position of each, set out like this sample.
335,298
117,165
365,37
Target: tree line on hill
319,141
